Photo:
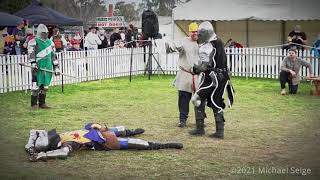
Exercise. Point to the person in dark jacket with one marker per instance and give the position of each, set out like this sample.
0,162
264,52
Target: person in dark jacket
103,38
114,37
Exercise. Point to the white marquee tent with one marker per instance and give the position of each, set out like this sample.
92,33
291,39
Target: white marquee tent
251,22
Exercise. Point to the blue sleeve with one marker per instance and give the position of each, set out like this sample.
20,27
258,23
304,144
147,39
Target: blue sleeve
88,126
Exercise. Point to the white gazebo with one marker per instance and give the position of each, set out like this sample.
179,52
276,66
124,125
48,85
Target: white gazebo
250,22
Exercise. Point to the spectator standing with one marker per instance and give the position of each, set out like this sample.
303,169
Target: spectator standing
20,36
29,37
76,41
297,37
103,38
115,36
92,40
9,42
130,39
3,31
123,34
57,40
82,40
67,38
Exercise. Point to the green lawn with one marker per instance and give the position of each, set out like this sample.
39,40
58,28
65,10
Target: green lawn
263,130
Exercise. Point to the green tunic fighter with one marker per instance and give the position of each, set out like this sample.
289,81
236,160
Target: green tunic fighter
42,57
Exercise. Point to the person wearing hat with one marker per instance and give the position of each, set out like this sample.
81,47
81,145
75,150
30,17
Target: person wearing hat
92,40
185,80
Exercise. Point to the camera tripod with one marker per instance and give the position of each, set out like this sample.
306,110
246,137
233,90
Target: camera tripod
148,67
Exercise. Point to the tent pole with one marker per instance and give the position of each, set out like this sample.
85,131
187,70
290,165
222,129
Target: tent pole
214,24
283,29
172,22
82,31
247,32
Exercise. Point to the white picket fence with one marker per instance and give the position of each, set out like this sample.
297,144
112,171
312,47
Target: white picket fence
84,65
110,63
265,62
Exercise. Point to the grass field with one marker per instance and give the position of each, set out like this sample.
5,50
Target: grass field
264,130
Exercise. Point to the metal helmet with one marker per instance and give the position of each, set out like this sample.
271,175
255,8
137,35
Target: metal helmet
42,31
205,32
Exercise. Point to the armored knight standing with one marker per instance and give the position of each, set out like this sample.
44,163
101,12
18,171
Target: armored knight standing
214,80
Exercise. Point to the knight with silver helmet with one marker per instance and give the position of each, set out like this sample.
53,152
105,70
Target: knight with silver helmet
41,53
214,79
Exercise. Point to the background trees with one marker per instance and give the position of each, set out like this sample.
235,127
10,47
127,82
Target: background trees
88,10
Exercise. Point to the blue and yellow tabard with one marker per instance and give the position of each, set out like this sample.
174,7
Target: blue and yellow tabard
75,136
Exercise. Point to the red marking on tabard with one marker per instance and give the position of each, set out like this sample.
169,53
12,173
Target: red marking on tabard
76,136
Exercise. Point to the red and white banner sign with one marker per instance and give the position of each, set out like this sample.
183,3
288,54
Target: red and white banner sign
111,22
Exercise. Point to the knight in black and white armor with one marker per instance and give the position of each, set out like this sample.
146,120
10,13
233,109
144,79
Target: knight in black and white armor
214,80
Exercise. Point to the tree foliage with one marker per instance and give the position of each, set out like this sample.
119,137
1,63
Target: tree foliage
163,7
88,10
127,10
85,10
13,6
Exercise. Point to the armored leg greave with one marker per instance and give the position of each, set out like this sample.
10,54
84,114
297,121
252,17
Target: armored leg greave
121,131
219,118
156,146
133,132
59,154
200,115
199,131
140,144
42,101
34,101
